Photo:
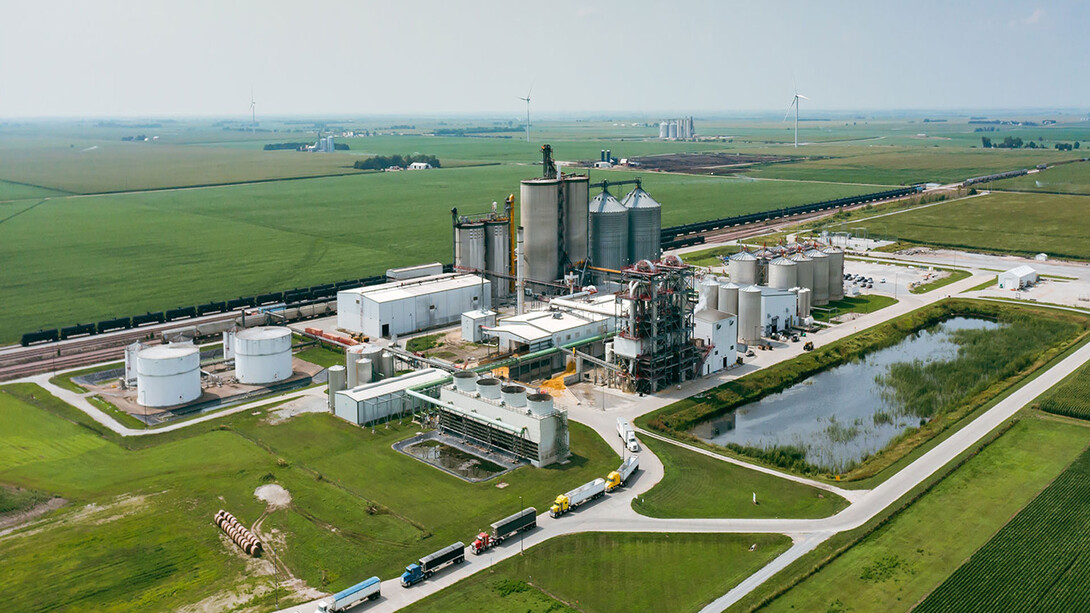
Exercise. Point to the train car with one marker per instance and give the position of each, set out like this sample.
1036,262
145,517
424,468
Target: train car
41,336
148,318
107,325
215,328
269,298
239,303
211,307
77,330
297,295
181,313
323,291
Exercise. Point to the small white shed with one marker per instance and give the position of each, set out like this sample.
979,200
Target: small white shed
1017,278
472,321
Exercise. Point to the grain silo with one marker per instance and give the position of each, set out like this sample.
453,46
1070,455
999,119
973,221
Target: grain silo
821,276
540,219
743,268
728,298
576,199
782,273
749,314
804,270
709,293
263,355
608,232
168,375
836,272
644,226
498,252
469,245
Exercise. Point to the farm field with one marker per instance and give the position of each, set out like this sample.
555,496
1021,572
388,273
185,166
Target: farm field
1023,224
604,572
1037,562
1068,178
907,557
1071,397
85,259
14,191
696,485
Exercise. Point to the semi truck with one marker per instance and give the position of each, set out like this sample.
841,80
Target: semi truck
342,601
578,496
427,565
627,434
618,477
525,519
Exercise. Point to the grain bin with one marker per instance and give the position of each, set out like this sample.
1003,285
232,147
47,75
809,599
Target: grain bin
804,269
821,276
167,375
728,298
743,268
749,314
836,272
782,273
498,252
540,217
608,232
263,355
575,204
644,226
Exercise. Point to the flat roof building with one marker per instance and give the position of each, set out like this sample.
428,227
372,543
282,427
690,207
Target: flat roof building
373,402
404,307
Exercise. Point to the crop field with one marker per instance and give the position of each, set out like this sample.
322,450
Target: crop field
1067,178
903,560
696,485
605,572
1037,563
1071,397
1023,224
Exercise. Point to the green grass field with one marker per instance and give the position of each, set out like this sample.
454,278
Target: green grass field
1024,224
696,485
863,303
322,356
1071,397
1038,562
903,560
953,277
598,572
1066,178
13,499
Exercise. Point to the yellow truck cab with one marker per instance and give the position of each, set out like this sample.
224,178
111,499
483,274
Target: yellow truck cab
560,506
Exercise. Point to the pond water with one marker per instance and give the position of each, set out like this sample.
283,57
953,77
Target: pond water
839,416
454,460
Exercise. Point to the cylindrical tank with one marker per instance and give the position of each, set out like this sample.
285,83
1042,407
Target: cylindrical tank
387,366
364,371
836,272
465,381
513,395
489,388
821,276
804,302
167,375
782,273
540,404
469,245
539,216
664,130
673,129
644,226
728,298
608,232
498,252
576,201
709,293
749,314
804,270
743,268
338,379
263,355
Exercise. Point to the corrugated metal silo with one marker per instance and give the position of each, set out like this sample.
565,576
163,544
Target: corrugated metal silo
608,232
673,129
749,314
497,248
644,226
804,270
664,130
821,276
576,201
709,293
782,273
728,298
804,296
836,272
469,245
743,268
539,216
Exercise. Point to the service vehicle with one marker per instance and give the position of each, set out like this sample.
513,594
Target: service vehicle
426,566
618,477
346,599
577,497
627,434
525,519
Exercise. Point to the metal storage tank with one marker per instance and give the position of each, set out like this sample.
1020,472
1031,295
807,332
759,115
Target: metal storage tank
386,365
664,130
608,232
673,129
743,268
728,298
836,272
576,201
352,355
644,226
469,245
540,219
804,296
263,355
709,293
364,371
749,314
338,379
804,270
498,255
821,276
782,273
167,375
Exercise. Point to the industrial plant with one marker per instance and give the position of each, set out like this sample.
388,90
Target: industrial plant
677,129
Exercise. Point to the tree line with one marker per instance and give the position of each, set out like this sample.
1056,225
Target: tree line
380,162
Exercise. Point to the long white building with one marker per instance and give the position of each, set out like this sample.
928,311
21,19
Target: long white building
404,307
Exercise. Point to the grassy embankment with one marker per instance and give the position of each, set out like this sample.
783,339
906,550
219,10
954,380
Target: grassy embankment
1033,338
322,356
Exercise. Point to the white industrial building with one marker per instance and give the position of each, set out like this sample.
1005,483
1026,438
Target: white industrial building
168,375
718,331
474,322
508,418
779,309
1017,278
404,307
414,272
376,401
556,327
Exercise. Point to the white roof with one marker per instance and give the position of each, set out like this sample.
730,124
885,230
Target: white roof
712,315
263,333
395,384
602,304
1021,271
166,352
479,314
423,286
540,325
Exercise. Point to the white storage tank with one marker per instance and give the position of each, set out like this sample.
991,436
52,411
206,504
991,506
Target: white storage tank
804,270
167,375
338,379
836,272
364,371
709,293
804,302
263,355
821,276
728,298
743,268
749,314
782,273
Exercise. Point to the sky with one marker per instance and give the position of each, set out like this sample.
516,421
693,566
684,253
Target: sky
430,57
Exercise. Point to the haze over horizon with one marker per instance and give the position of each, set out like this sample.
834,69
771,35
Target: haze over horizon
72,59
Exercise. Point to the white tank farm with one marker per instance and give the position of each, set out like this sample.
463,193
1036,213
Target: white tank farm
749,314
728,298
836,272
804,270
821,276
743,268
263,355
168,375
782,273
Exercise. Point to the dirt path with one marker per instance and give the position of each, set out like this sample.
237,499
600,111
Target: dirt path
13,521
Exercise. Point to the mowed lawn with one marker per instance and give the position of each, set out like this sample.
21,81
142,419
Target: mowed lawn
84,259
1023,224
605,572
901,562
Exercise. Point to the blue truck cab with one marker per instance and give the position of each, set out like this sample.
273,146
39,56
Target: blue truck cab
413,573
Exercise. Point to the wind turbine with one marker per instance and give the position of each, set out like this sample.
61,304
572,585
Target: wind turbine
527,99
253,113
795,103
